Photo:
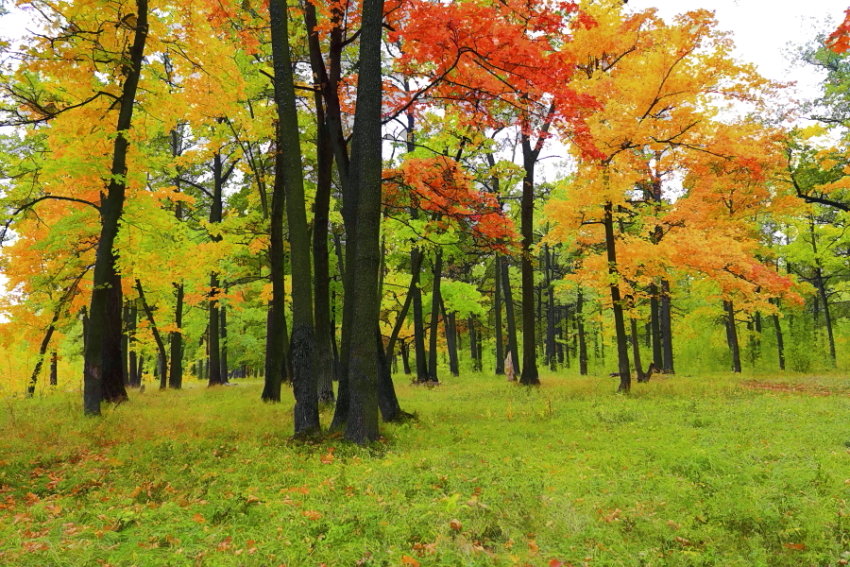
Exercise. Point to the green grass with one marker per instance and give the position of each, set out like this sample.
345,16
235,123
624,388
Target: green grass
685,471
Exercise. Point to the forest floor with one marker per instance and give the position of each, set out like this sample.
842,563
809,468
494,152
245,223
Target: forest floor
685,471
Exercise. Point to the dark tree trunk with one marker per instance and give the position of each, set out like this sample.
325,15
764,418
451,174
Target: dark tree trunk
48,334
780,343
732,335
162,369
623,368
418,318
54,369
580,333
405,357
435,316
125,344
473,345
641,377
302,349
225,370
827,314
321,222
655,326
500,349
102,372
214,331
363,369
551,356
666,320
513,348
450,326
175,378
529,375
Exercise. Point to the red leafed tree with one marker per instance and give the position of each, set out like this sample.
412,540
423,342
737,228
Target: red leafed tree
502,64
839,40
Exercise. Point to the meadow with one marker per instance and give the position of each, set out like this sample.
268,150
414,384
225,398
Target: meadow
707,470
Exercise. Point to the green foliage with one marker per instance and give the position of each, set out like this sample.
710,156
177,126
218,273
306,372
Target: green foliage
686,471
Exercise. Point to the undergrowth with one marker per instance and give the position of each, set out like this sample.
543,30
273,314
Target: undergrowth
685,471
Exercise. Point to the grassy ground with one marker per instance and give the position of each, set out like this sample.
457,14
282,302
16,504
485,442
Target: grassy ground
685,471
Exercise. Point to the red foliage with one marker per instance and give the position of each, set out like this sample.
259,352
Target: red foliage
439,185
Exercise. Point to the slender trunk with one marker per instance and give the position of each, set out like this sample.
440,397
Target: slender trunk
473,345
418,318
157,337
175,378
655,326
623,368
450,326
216,216
321,277
54,369
780,343
582,338
125,343
102,373
551,356
666,316
732,335
225,370
641,377
497,301
529,375
435,316
827,315
513,348
405,357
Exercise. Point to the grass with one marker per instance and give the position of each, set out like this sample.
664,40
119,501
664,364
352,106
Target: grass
685,471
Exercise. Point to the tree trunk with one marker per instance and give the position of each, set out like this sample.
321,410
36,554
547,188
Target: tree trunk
435,316
551,356
362,367
513,348
529,375
418,318
827,315
666,316
580,332
641,377
225,370
497,301
405,357
54,369
321,222
655,326
102,373
473,345
175,338
732,335
450,326
780,343
157,337
623,368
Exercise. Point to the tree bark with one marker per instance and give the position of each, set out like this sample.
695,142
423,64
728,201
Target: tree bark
780,343
529,375
497,301
363,368
666,320
435,316
623,367
732,335
157,337
175,338
513,348
102,368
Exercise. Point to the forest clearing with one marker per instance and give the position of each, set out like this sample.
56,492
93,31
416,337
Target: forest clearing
690,470
416,282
